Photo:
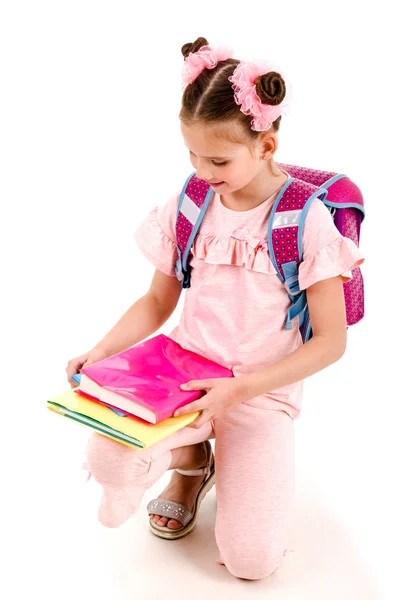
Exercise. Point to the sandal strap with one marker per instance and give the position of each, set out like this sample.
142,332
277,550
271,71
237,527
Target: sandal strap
206,469
193,473
170,509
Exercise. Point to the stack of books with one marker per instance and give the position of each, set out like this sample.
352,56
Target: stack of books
131,396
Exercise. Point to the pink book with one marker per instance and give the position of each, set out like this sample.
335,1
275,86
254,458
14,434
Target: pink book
145,380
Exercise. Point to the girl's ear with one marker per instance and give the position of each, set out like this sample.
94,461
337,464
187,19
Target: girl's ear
269,143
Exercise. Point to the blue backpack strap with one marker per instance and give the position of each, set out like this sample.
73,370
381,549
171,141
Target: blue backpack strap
193,202
285,241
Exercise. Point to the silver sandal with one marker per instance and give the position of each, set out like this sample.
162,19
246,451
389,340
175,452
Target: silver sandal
175,510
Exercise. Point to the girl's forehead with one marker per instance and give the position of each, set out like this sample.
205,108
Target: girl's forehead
208,140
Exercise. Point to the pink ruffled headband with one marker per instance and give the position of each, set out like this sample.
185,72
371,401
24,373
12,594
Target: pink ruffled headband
243,80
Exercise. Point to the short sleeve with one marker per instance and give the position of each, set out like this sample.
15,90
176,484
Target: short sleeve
156,237
326,253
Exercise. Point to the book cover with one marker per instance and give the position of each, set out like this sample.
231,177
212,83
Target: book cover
76,377
129,429
145,379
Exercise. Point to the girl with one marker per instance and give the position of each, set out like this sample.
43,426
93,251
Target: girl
233,314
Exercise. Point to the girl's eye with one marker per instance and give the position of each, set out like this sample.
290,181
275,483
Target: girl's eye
222,164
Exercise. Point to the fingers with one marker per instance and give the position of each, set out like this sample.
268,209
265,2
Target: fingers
203,418
200,384
74,367
188,408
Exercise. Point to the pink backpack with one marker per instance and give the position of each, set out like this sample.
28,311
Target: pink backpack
285,232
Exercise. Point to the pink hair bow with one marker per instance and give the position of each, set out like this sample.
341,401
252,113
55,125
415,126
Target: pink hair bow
245,95
207,57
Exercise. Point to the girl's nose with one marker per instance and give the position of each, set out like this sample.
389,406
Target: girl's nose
203,172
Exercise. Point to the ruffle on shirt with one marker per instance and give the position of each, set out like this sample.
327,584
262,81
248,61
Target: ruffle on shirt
243,250
338,258
240,249
156,246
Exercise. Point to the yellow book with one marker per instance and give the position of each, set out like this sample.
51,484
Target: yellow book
127,430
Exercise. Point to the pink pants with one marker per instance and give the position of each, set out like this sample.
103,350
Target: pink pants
254,479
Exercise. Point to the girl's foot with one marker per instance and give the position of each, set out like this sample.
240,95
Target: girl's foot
183,488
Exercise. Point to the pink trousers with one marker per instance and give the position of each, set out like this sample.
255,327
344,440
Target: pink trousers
254,480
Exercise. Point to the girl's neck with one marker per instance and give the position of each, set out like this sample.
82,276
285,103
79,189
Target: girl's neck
254,194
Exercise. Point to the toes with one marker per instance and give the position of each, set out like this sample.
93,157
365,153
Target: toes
164,521
156,518
173,524
159,520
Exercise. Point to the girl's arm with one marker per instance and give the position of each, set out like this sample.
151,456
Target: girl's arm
145,316
326,303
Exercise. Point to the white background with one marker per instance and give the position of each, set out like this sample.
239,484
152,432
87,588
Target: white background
90,142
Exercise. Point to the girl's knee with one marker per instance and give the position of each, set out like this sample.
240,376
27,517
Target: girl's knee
124,474
247,559
252,566
111,462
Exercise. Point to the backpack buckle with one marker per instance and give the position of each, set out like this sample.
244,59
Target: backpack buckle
186,283
183,275
292,285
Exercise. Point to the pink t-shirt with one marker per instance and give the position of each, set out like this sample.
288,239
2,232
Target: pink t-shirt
235,310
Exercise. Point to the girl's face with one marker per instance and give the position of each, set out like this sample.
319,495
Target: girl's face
218,160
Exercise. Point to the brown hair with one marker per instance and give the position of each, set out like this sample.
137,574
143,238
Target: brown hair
210,98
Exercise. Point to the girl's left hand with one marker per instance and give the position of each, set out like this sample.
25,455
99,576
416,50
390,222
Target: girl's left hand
222,395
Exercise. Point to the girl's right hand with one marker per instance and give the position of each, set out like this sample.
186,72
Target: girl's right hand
75,364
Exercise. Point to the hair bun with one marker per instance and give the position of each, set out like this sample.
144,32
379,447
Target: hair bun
193,46
270,88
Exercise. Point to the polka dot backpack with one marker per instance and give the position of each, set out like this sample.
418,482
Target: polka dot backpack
285,232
